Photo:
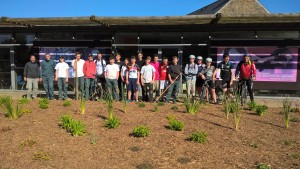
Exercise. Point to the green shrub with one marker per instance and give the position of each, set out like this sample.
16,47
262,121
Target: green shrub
155,107
44,103
24,101
140,131
199,137
76,128
261,110
112,122
252,105
141,104
191,105
263,166
174,108
11,110
160,103
175,124
67,103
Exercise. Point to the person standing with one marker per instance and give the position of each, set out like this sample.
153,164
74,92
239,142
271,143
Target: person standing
140,62
164,82
62,78
190,71
120,64
174,71
199,80
47,74
156,66
111,73
89,71
123,77
207,75
100,66
32,77
246,71
133,79
77,65
147,79
226,74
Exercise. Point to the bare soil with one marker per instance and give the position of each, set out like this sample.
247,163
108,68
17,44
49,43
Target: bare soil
37,141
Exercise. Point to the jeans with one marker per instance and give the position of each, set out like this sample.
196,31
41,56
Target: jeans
112,85
32,85
89,86
80,87
48,86
62,88
191,87
174,88
148,88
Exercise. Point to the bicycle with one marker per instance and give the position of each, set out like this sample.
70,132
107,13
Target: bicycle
243,91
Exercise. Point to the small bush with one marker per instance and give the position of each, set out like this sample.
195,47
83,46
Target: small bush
24,101
44,103
174,108
140,131
67,103
155,108
112,122
252,105
142,105
191,105
261,110
76,128
199,137
263,166
175,124
160,103
11,110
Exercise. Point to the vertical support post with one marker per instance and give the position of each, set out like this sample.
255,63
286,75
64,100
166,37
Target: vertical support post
12,69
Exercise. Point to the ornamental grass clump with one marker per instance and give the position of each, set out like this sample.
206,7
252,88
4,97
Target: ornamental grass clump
24,101
76,128
174,124
67,103
286,111
199,137
191,105
140,131
155,107
82,106
237,112
44,103
252,105
261,110
11,110
226,107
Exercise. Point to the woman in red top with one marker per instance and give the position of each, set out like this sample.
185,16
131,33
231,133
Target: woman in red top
163,74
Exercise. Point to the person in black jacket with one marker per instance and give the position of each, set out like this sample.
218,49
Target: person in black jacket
32,77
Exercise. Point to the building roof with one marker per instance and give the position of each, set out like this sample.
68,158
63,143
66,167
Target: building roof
233,7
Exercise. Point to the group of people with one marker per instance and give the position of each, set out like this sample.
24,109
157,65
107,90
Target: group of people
151,77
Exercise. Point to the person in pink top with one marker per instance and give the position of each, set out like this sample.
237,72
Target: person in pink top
89,71
156,66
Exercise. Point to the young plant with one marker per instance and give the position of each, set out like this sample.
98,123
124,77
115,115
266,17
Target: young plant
160,103
155,107
295,119
12,111
252,105
226,107
76,128
261,110
174,108
24,101
44,103
175,124
141,104
26,111
140,131
94,138
236,109
286,111
82,106
112,122
67,103
263,166
191,105
124,105
199,137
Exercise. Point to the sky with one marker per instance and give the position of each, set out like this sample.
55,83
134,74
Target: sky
73,8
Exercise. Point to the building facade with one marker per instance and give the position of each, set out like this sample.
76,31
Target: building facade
232,26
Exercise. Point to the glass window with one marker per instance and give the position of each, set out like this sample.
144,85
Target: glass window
160,38
126,38
233,35
5,68
24,38
277,34
56,36
5,39
195,37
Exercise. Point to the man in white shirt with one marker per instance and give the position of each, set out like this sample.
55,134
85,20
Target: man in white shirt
147,79
111,73
77,65
61,76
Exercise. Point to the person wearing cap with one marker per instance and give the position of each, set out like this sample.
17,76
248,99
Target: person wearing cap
199,80
89,71
207,75
246,71
62,78
190,71
226,74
